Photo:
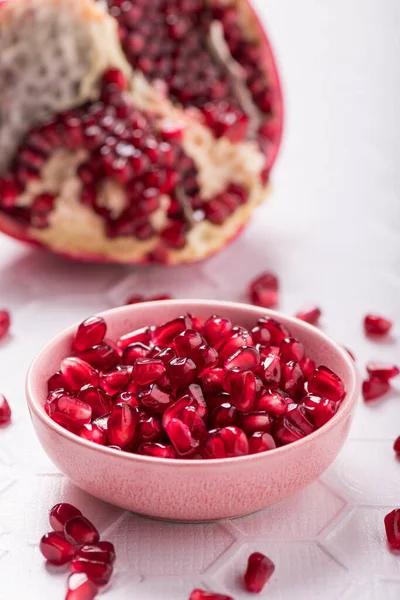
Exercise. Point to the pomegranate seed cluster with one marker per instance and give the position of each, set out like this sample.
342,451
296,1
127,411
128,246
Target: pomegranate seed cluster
192,388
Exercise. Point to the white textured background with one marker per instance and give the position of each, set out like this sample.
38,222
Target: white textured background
331,232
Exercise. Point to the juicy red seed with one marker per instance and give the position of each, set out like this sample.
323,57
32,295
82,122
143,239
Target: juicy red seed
116,77
101,356
56,549
310,315
261,442
147,370
100,402
320,410
154,398
164,334
297,415
259,570
69,412
242,388
78,373
205,358
194,392
324,382
277,331
273,403
79,530
244,359
116,381
271,366
149,429
291,349
157,450
216,329
377,325
260,335
56,382
181,371
226,442
213,379
264,290
396,446
203,595
5,411
292,378
128,397
93,433
135,299
133,352
90,333
374,388
5,322
186,342
195,423
286,433
80,587
307,366
392,527
61,513
142,335
384,371
224,415
102,422
234,343
175,410
122,424
254,421
181,437
100,552
98,572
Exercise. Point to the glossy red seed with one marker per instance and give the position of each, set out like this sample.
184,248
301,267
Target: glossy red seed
93,433
69,411
5,321
133,352
102,356
80,587
78,373
56,549
384,371
122,424
244,359
100,552
377,325
272,402
271,370
251,422
226,442
128,397
5,411
181,437
147,370
324,382
241,385
203,595
142,335
157,450
392,527
298,416
396,446
195,423
374,388
175,410
213,379
224,415
115,77
56,382
186,342
166,355
263,290
98,572
310,315
154,398
259,570
277,331
239,337
292,379
90,333
320,410
115,381
181,371
261,335
79,530
61,513
100,402
285,432
149,429
205,359
194,392
261,442
307,366
216,329
164,334
291,349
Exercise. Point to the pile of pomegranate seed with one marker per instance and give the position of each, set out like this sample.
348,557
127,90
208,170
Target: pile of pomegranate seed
378,382
310,315
75,541
5,411
375,325
5,321
192,388
139,299
264,289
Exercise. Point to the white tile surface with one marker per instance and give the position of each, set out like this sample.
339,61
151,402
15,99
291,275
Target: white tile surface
331,232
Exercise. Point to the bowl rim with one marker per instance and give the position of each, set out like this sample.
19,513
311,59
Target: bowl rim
346,408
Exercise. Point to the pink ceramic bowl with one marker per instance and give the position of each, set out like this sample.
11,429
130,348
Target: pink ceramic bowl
185,490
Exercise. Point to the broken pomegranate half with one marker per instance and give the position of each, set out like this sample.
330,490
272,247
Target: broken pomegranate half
134,131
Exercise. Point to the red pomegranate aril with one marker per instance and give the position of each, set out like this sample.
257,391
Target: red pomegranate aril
272,402
277,331
56,549
100,402
217,328
69,411
80,587
261,442
5,411
93,433
90,333
310,315
251,422
98,572
264,290
147,370
115,77
307,366
297,415
175,410
374,388
320,410
396,446
203,595
324,382
205,359
157,450
79,530
5,322
291,349
239,338
271,370
244,359
133,352
383,371
166,355
56,382
142,335
195,423
115,381
194,391
122,424
164,334
392,527
61,513
186,342
259,571
149,429
285,432
213,379
100,552
154,398
128,397
292,379
226,442
102,422
181,437
242,388
181,371
102,356
78,373
377,325
261,335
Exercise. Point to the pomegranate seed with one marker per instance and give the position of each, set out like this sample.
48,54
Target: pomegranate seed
396,446
98,572
128,397
102,356
147,370
194,392
56,382
241,385
254,421
374,388
181,437
307,366
135,299
154,398
324,382
5,321
264,290
79,530
115,381
61,513
377,325
297,415
69,412
163,335
165,355
260,335
93,433
310,315
90,333
186,342
78,373
384,371
122,424
5,411
320,410
142,335
261,442
80,587
271,366
234,343
216,329
292,379
225,443
133,352
244,359
259,571
157,450
224,415
392,527
272,402
100,402
115,77
286,433
205,358
202,595
213,379
56,549
175,410
276,330
149,429
181,371
291,349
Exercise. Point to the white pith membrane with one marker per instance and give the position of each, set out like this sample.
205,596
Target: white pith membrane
86,40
